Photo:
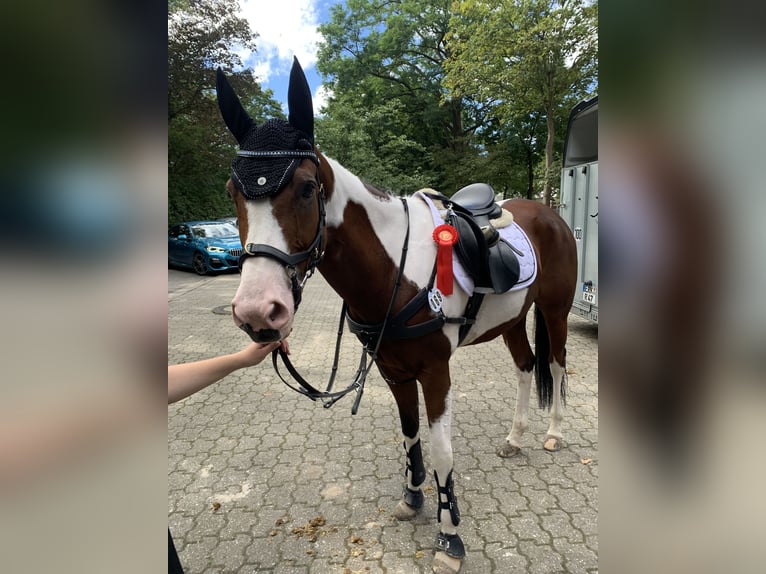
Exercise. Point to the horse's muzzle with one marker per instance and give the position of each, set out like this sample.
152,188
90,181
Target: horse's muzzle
261,335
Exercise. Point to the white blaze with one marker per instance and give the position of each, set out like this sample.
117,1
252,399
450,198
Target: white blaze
264,281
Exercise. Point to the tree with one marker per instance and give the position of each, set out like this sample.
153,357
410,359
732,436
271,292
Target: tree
371,143
384,63
525,57
515,152
202,35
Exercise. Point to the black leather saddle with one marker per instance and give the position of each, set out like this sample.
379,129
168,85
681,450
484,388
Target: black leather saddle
478,199
489,260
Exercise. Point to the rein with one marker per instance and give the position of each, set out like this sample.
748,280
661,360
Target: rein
328,396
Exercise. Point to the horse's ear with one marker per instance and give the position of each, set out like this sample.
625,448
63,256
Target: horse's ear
299,104
237,119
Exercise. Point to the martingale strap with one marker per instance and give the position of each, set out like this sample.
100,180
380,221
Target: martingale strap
328,397
397,328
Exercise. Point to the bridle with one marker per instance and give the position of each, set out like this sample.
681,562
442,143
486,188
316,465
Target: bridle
314,254
290,261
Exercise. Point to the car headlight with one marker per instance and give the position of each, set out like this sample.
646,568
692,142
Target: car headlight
214,249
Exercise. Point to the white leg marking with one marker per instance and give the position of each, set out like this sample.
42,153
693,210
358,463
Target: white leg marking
522,408
441,455
554,430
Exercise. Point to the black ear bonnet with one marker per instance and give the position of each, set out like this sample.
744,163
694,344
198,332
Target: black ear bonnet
269,154
256,172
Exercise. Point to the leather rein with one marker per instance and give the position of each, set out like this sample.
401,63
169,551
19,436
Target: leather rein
369,354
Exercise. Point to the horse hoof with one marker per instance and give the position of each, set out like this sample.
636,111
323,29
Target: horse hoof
444,564
404,511
508,450
552,444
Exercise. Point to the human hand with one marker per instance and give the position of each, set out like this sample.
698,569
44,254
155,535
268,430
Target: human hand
254,353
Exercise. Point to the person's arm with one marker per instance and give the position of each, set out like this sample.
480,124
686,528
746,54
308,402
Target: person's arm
188,378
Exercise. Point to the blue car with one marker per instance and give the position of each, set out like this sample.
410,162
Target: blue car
204,246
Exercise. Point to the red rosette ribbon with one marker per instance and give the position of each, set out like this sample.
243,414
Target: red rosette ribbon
445,236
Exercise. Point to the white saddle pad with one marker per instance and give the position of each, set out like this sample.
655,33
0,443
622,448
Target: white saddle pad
513,234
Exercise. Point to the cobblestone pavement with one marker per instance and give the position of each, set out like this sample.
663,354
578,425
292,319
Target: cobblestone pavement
261,479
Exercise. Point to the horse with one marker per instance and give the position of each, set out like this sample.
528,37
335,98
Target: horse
299,210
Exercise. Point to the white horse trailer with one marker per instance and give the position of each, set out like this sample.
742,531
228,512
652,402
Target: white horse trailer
579,201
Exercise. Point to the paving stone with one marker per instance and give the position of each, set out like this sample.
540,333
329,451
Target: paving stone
276,461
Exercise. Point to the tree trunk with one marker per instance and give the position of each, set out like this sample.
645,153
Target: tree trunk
548,156
530,173
456,129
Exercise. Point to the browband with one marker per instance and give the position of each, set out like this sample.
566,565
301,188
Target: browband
284,153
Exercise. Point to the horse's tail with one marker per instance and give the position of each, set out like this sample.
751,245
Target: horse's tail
543,375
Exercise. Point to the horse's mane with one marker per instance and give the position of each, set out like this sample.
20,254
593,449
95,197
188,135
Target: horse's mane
377,191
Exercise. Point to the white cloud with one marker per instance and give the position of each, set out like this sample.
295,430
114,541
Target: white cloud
262,70
285,28
321,95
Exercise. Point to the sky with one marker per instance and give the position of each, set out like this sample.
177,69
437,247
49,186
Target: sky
285,28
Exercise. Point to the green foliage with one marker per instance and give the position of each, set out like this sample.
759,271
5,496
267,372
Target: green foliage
373,144
444,93
202,36
383,62
423,93
525,57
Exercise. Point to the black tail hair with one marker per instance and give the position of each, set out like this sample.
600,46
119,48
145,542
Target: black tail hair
543,375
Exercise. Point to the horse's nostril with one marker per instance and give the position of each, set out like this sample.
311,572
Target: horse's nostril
278,312
270,316
234,315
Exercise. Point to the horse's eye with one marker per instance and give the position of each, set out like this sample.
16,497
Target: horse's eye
308,189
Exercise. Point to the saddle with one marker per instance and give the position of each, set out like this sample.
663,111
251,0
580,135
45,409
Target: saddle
488,258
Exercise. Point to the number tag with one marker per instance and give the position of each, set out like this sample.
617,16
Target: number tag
435,300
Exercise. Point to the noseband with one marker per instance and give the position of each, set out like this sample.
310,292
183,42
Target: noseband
313,254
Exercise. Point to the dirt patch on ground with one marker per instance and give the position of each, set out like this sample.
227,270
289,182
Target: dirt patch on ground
312,529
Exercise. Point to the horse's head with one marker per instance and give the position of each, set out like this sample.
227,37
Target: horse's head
275,184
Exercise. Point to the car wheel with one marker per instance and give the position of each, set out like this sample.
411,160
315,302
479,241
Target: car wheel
200,264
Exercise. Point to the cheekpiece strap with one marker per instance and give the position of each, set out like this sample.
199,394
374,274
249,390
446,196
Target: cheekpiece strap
281,153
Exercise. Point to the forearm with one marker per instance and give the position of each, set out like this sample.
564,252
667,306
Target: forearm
188,378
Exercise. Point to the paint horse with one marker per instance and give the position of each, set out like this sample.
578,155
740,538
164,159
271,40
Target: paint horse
299,211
